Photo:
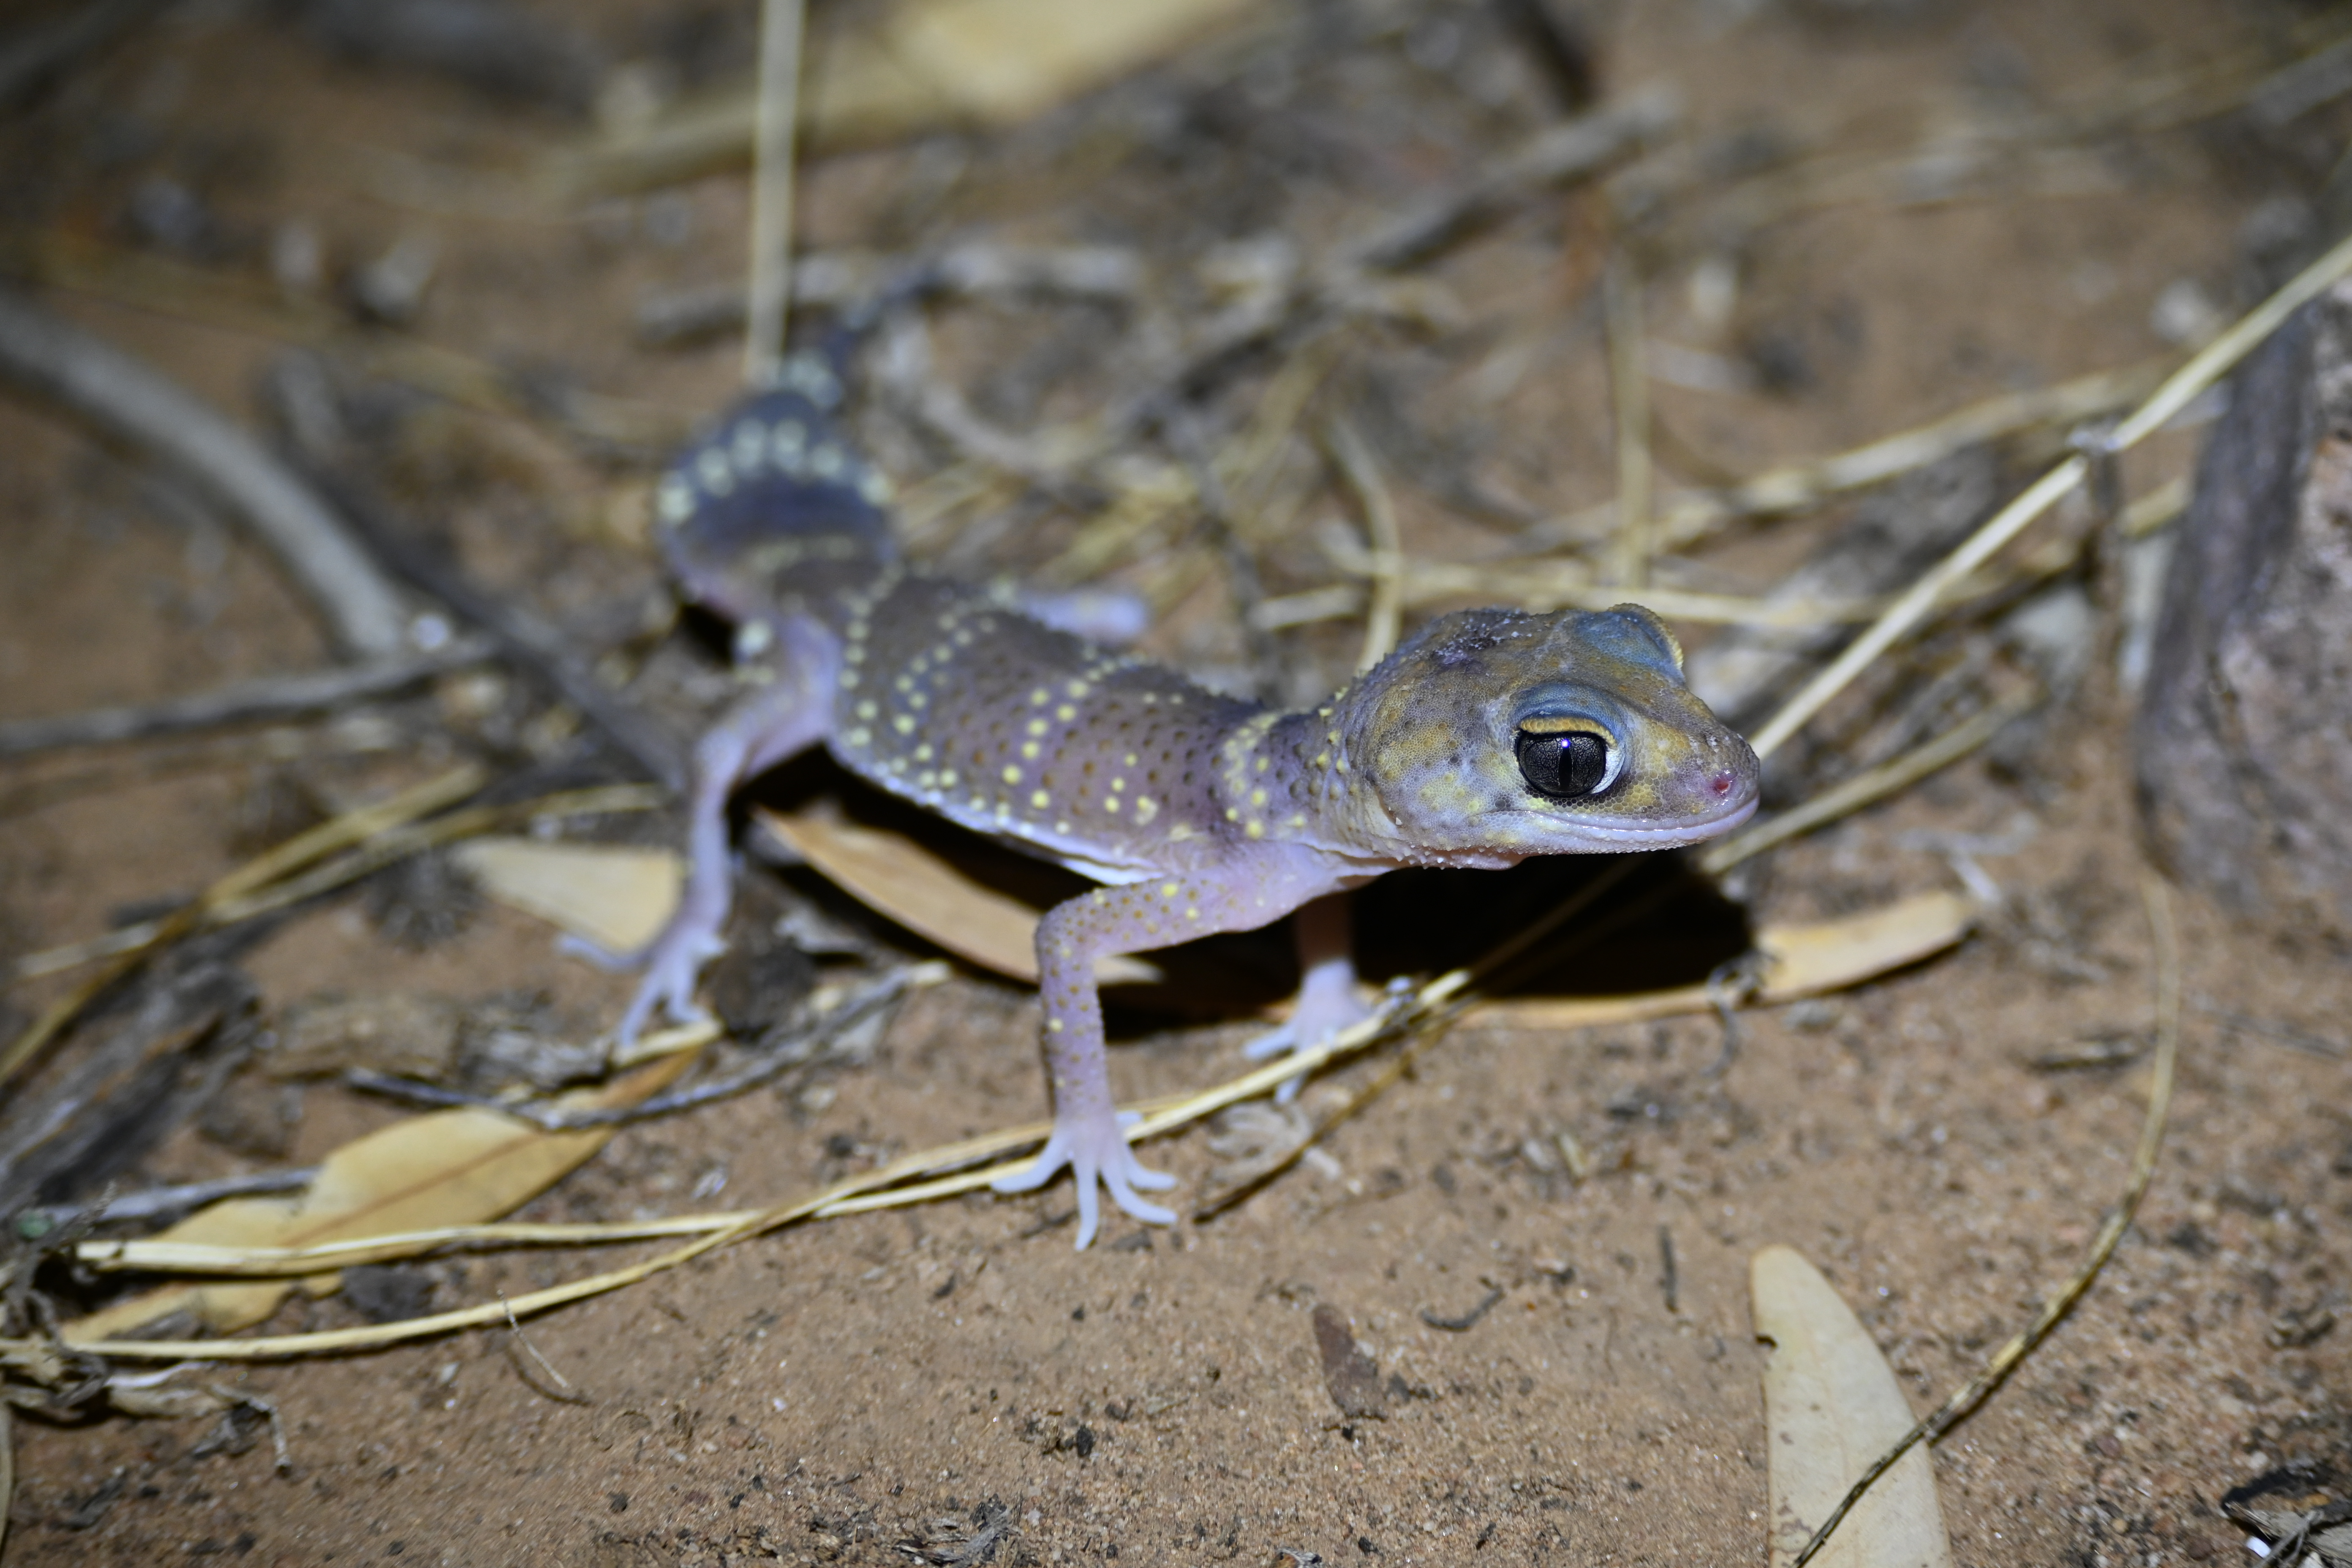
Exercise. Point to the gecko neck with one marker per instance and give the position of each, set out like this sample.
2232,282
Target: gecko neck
1284,777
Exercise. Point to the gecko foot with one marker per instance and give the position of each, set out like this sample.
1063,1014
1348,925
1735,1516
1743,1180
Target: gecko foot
671,965
1323,1010
1094,1150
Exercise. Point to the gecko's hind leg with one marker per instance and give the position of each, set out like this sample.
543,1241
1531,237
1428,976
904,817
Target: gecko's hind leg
789,713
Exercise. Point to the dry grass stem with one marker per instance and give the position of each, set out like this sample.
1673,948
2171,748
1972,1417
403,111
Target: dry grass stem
1870,786
1689,518
301,850
1629,395
770,269
1384,615
389,844
2203,369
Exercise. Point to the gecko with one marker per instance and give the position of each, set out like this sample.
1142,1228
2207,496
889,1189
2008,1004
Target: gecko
1489,736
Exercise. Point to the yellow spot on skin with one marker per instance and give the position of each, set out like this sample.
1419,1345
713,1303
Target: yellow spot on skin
1258,797
1117,784
867,710
923,753
1167,890
1261,765
1065,712
1110,802
1029,750
1040,697
1145,808
859,736
1299,820
1180,833
903,725
1192,912
1054,1026
948,779
1061,828
1256,830
1128,760
1011,775
1233,814
1038,726
1077,689
1039,800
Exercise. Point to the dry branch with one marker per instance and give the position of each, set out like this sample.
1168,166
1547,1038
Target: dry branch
270,697
53,359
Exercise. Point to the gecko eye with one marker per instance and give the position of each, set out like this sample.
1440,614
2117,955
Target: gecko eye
1565,764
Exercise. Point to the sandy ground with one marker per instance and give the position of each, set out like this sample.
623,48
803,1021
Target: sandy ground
831,1392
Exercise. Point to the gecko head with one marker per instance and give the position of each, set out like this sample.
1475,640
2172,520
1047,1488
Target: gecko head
1496,734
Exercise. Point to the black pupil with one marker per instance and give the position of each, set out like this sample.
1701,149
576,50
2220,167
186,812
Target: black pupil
1563,766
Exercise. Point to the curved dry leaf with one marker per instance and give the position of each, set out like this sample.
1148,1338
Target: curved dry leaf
1831,1407
617,897
893,874
1803,961
445,1168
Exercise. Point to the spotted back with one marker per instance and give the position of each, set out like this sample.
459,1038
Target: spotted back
770,496
951,697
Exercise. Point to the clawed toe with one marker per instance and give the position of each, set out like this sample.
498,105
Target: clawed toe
1098,1158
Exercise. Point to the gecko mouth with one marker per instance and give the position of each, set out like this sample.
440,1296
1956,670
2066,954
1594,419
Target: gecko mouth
1685,832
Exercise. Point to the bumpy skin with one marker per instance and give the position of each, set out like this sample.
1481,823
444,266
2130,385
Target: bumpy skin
1201,813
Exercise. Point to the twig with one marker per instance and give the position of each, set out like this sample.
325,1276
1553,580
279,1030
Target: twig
773,1062
563,1393
1245,587
170,1203
1576,150
1953,1411
527,640
1689,518
1870,785
270,697
771,271
2209,365
1628,396
44,354
1385,614
1580,148
1467,1320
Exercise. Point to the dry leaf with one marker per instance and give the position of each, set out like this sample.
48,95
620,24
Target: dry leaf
450,1167
1804,961
1003,60
931,65
899,878
1831,1408
615,896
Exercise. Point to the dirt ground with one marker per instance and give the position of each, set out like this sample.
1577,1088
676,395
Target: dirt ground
831,1393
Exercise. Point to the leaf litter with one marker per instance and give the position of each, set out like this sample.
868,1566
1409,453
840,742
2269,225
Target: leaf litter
897,871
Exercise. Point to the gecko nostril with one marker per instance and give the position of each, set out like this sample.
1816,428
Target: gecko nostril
1722,784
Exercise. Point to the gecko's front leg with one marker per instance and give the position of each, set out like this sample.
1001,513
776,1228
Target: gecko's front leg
1328,1001
1134,917
789,712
